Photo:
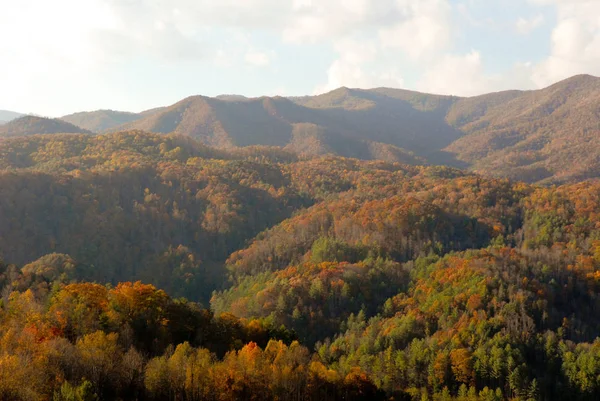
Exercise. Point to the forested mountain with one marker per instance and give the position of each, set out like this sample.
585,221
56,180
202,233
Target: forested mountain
545,136
535,136
31,125
135,201
385,127
100,120
549,135
327,278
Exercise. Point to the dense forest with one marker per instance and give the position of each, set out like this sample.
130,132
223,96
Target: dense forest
139,266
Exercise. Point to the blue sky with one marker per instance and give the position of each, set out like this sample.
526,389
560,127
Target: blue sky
64,56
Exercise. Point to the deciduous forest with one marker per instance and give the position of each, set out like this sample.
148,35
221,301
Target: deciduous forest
140,266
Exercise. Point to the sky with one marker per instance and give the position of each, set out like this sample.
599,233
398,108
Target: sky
63,56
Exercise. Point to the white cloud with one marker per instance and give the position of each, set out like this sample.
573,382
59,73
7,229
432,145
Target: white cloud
49,31
223,59
461,75
257,58
465,75
64,43
425,29
356,51
66,49
48,49
359,64
525,26
312,20
343,73
575,49
575,42
399,30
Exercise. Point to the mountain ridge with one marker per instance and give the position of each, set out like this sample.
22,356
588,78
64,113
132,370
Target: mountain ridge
309,126
498,134
100,120
547,135
32,125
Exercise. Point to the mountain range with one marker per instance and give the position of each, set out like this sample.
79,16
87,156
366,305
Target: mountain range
260,273
546,136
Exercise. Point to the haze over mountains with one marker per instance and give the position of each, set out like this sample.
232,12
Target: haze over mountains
548,135
6,116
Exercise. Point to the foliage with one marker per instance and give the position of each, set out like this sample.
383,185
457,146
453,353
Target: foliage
328,278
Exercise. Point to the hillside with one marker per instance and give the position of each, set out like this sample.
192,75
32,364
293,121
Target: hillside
31,125
328,278
404,279
545,136
100,120
549,135
232,121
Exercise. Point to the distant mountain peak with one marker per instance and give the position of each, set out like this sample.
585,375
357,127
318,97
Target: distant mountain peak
32,125
100,120
6,115
577,81
231,97
585,77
